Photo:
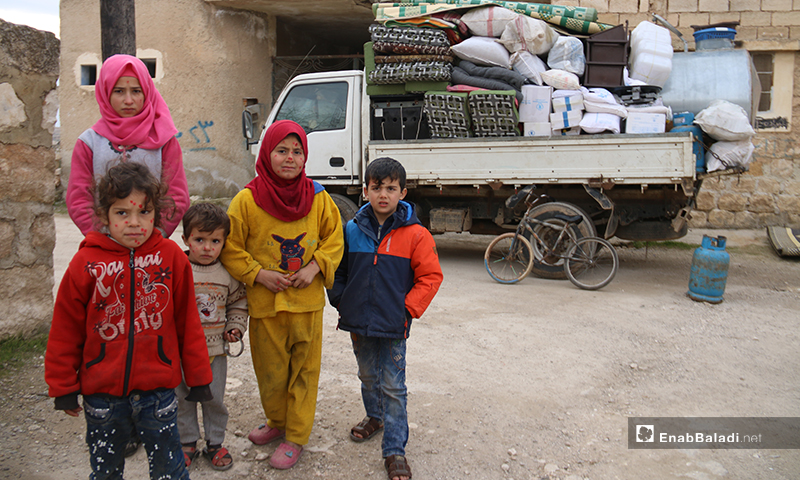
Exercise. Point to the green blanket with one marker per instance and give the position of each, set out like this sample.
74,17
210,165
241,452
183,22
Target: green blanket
575,19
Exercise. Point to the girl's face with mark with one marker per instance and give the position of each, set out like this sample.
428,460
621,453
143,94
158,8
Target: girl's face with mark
287,158
131,220
127,97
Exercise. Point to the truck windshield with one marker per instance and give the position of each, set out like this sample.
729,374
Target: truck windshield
317,107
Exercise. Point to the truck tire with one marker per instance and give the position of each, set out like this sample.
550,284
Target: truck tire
546,212
347,207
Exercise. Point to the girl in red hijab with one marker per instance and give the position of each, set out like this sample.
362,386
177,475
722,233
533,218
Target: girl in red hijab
135,125
285,245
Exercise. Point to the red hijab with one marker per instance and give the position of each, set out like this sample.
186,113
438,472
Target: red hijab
152,127
286,200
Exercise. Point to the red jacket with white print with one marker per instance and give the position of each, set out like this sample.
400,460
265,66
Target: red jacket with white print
111,335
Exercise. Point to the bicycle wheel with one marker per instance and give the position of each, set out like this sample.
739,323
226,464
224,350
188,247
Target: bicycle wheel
591,263
509,258
546,213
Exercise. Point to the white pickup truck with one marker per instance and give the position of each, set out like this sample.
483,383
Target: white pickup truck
637,187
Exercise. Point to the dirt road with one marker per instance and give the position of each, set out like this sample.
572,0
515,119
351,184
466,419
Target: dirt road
519,382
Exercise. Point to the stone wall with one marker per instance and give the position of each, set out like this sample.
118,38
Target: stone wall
769,193
28,74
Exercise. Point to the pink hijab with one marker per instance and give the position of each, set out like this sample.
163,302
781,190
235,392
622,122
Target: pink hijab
286,200
152,127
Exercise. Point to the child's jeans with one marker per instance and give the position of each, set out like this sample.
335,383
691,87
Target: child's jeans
215,414
109,422
382,371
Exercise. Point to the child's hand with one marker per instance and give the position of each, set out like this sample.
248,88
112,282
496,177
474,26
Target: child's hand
303,277
73,412
274,281
233,335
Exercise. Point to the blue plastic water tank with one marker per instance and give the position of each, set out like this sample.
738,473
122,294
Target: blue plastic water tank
709,272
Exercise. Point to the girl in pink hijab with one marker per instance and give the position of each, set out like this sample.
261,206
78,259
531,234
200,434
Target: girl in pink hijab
136,126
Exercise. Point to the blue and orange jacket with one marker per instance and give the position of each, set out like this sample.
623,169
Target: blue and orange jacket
389,273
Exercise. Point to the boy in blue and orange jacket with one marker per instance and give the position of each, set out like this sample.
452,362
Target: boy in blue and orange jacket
388,276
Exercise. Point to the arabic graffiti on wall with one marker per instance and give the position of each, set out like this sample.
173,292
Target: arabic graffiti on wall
200,137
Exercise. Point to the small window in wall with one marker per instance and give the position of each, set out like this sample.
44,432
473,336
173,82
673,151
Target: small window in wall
764,63
775,70
150,63
88,75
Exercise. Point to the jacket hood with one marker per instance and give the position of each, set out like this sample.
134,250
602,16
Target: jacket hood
404,215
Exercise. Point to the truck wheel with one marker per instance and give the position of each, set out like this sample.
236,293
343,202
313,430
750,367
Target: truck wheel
547,212
347,208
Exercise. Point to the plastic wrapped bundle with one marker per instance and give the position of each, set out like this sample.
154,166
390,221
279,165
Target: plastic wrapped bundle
447,114
494,113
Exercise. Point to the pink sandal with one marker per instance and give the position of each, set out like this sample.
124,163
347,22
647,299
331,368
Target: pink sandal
263,434
285,457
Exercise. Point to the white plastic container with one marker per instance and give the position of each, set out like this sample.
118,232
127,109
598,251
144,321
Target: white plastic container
651,54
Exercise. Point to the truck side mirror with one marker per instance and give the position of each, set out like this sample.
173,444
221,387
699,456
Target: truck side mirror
248,128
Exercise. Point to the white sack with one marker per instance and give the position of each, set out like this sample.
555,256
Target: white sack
567,54
600,122
529,66
731,154
599,107
723,120
599,95
561,79
531,34
488,21
483,51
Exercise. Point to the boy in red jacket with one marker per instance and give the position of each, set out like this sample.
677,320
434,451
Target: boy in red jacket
124,323
388,276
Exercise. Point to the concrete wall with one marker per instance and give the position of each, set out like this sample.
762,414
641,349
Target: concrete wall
28,74
208,61
769,194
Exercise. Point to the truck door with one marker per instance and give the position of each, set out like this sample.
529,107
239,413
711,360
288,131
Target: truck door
325,111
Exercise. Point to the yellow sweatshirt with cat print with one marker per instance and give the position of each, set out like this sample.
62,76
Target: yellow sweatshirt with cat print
259,240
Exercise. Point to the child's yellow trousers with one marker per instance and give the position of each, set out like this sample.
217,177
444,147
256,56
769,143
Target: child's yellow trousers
287,351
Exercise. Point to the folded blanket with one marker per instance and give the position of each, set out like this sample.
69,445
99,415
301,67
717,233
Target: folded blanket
412,58
408,49
460,76
505,75
389,73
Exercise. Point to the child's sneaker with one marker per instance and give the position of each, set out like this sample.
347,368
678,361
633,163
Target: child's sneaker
285,457
263,434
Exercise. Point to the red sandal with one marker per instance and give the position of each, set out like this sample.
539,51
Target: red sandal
190,452
216,454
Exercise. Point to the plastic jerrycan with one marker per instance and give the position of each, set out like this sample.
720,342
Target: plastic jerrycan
709,271
651,53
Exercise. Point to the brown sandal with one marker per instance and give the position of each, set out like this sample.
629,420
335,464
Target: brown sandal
397,466
367,428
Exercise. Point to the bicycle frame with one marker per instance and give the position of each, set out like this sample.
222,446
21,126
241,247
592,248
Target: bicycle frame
550,255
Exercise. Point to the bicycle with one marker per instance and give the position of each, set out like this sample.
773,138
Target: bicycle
590,263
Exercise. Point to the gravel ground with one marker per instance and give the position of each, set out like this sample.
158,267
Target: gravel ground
527,381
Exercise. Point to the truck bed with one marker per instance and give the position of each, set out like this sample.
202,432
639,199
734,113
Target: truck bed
600,160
